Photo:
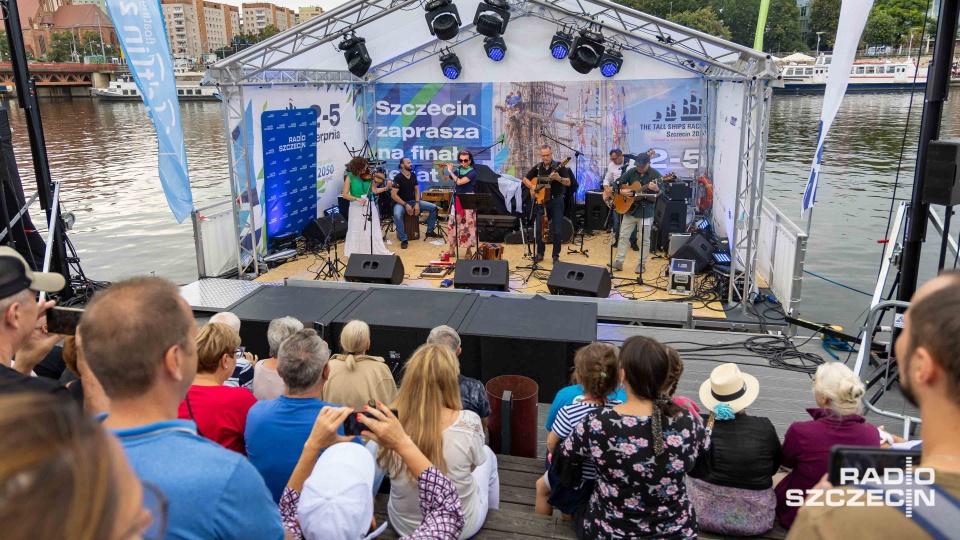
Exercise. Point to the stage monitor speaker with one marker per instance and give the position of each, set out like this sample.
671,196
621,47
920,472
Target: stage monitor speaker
401,318
942,183
482,275
314,307
697,249
568,279
677,190
596,211
386,269
669,217
319,229
533,337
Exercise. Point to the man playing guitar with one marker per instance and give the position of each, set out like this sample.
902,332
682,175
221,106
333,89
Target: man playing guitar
560,178
615,169
649,178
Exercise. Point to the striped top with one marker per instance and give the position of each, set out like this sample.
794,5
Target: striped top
567,420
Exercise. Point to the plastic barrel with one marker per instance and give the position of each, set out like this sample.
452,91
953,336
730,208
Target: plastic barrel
520,439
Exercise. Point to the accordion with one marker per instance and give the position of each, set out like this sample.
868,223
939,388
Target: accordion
491,252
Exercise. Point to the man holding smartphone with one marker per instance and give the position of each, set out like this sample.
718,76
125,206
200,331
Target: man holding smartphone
928,357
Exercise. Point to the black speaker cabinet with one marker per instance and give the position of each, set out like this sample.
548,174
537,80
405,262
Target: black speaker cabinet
677,190
569,279
669,217
698,249
942,184
385,269
490,275
333,226
596,211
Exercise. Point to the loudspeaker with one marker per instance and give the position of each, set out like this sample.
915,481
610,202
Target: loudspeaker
669,217
942,184
596,211
697,249
386,269
319,229
482,275
676,190
569,279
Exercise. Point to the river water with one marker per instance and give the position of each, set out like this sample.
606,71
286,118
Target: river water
106,155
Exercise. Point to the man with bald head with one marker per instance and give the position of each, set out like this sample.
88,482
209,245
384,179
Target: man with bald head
928,355
139,339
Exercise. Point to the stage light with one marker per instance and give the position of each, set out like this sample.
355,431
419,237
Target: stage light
610,63
496,48
450,64
443,19
560,44
492,17
355,52
587,50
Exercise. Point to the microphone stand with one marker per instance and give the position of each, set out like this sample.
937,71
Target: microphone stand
644,198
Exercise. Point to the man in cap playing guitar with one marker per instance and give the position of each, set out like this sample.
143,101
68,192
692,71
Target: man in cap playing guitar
560,178
649,179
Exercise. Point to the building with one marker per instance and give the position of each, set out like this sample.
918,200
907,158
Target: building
308,12
186,30
260,15
82,20
222,24
805,7
102,4
40,19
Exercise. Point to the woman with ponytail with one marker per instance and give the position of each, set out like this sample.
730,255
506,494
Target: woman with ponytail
642,449
356,378
732,490
836,420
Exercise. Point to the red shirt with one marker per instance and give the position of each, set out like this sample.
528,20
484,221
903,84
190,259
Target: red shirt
220,413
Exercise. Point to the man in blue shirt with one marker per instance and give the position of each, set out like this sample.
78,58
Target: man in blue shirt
277,429
139,339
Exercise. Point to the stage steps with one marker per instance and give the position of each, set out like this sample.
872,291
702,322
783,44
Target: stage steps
516,519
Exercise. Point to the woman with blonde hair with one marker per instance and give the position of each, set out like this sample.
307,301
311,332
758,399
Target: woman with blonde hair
219,411
355,377
836,420
429,409
60,460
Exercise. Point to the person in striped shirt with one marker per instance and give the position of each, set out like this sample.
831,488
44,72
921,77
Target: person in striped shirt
597,369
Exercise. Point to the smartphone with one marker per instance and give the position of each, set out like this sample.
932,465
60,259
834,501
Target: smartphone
63,320
241,350
869,462
352,427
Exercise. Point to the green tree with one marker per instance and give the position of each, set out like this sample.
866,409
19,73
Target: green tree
91,44
907,14
4,47
60,48
783,27
881,28
267,32
824,15
704,20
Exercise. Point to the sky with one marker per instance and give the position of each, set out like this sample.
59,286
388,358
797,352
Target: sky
293,4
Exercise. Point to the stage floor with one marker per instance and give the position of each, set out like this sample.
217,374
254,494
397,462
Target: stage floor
597,246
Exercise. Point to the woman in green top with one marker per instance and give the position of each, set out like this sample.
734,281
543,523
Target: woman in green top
359,187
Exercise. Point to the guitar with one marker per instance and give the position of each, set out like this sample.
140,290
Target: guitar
624,205
540,191
609,200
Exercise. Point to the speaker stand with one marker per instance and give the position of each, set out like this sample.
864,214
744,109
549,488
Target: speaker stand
535,266
581,251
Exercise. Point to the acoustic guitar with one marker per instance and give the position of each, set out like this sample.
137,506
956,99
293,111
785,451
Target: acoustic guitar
609,200
540,192
625,205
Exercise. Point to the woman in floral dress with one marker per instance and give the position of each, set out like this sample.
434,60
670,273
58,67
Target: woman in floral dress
643,450
462,225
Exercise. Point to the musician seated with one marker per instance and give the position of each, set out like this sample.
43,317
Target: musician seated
406,198
642,179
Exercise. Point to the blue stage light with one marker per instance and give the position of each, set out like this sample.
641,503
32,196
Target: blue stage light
610,62
496,54
451,72
496,48
450,64
560,44
560,51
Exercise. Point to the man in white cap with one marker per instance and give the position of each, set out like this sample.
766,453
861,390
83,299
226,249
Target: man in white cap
23,341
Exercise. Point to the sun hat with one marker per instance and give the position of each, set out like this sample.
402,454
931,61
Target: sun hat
728,385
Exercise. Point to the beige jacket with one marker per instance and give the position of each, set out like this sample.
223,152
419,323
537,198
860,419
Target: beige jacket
369,380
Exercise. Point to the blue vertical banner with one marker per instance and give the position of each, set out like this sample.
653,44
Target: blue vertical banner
289,169
143,37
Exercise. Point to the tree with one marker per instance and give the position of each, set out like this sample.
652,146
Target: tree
267,32
783,27
91,42
704,20
906,14
4,47
824,15
881,28
60,48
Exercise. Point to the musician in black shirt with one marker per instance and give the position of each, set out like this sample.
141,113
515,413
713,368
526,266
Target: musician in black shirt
560,177
406,198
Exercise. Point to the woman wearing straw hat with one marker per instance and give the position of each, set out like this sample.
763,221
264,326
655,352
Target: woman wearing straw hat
732,490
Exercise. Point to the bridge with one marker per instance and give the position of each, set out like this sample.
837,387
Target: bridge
62,79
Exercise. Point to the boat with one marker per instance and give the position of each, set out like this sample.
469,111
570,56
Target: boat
188,89
865,76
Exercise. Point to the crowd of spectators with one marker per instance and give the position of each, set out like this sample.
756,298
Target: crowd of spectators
162,446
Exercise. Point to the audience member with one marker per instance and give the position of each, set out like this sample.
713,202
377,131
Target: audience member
473,395
356,378
277,429
673,381
732,490
21,319
806,445
64,477
336,500
267,383
73,382
139,339
219,411
929,367
451,438
242,375
643,450
574,394
597,369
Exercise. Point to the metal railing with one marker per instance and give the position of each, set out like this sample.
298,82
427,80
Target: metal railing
214,235
780,257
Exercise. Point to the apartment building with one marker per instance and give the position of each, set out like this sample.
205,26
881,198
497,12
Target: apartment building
222,23
185,28
258,16
307,12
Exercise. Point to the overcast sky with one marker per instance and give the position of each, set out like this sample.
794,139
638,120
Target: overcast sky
294,4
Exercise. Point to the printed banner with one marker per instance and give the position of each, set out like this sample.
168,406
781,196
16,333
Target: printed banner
432,122
853,18
290,169
143,37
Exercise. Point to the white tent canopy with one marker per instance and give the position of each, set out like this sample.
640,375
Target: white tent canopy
798,58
